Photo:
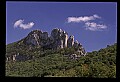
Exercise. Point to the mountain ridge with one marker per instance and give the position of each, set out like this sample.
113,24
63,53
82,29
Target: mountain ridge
30,57
37,39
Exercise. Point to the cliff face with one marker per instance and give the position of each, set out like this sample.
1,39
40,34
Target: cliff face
58,39
33,38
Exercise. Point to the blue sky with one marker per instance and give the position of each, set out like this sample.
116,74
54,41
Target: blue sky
94,25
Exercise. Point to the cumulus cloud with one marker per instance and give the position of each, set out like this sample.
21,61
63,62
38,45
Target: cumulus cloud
94,26
20,23
83,19
17,23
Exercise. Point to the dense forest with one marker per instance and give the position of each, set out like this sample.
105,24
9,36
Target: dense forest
54,63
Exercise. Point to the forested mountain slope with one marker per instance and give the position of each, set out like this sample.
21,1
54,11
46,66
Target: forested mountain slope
55,63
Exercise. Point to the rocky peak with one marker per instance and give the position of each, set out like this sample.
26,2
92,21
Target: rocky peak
54,33
57,39
38,32
33,38
57,33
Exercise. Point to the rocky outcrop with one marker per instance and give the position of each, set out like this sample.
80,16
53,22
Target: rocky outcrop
65,38
76,44
71,41
18,57
58,39
33,38
81,51
44,36
74,56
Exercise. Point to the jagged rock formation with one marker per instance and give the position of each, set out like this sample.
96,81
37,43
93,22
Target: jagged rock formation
76,44
71,41
33,38
58,39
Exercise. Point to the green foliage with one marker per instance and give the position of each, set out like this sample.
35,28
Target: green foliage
53,63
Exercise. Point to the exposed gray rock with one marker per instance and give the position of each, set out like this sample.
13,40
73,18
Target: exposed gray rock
18,57
81,51
80,45
44,36
65,38
33,38
60,44
55,33
58,39
76,44
70,41
74,56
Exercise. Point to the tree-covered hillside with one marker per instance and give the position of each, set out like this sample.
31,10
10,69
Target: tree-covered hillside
55,63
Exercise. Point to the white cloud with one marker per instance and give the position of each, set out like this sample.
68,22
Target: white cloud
86,20
94,26
17,23
83,19
96,16
20,23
